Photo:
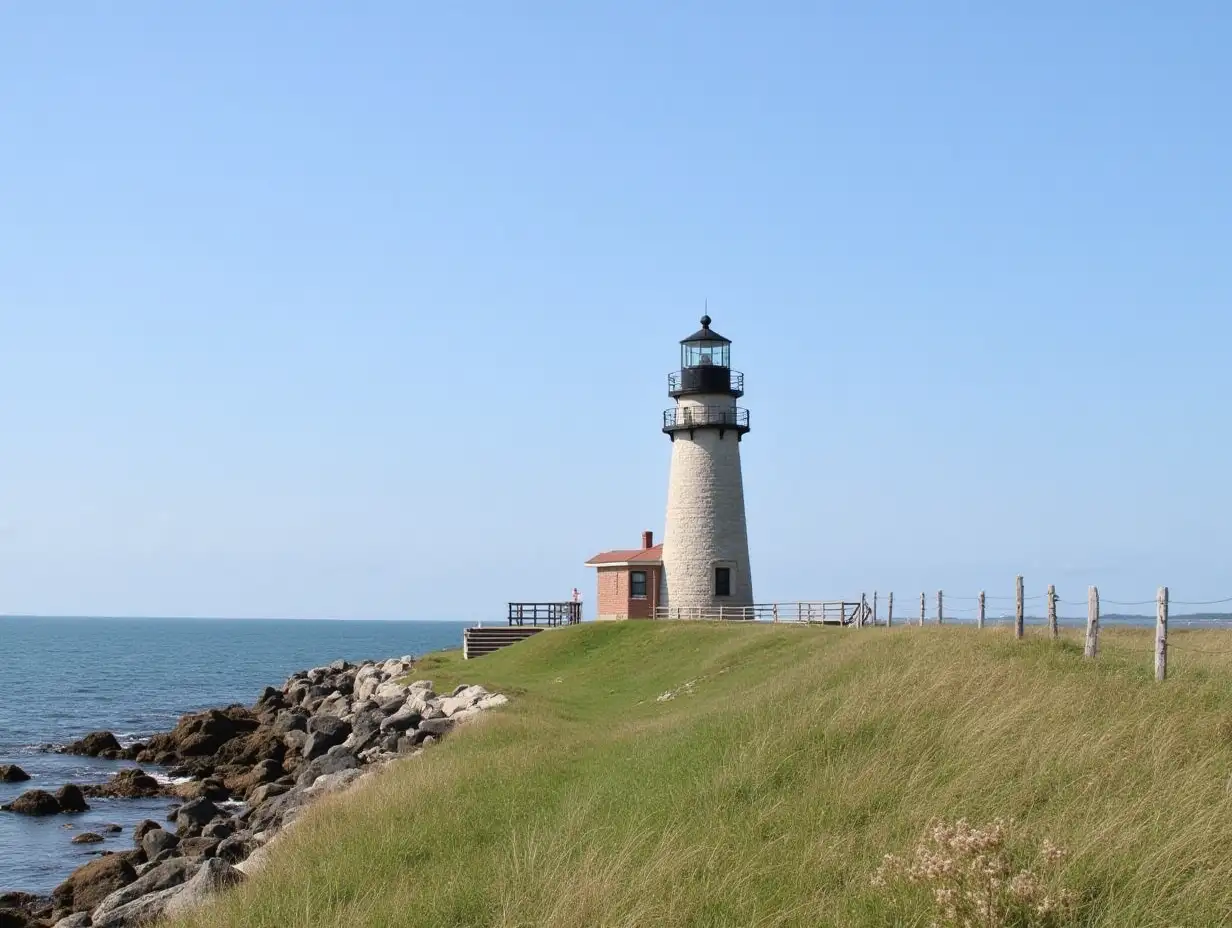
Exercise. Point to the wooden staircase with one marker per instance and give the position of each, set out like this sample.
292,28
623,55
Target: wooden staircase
477,642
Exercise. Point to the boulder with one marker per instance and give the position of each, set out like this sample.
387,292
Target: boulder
191,817
158,841
11,773
264,793
111,829
90,884
334,762
71,799
333,783
209,788
213,876
290,720
463,699
143,829
265,772
218,830
388,690
133,783
199,848
94,744
364,730
164,876
493,701
33,802
408,716
80,920
295,741
235,848
146,910
203,733
87,837
253,748
334,704
436,727
324,732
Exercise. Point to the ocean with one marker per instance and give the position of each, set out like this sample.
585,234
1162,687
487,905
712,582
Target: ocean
64,677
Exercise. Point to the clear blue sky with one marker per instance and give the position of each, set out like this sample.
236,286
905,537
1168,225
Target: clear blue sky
365,310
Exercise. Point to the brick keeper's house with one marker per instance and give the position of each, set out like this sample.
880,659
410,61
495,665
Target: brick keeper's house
631,581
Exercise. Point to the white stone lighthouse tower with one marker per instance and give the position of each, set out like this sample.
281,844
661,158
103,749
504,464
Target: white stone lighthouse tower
706,543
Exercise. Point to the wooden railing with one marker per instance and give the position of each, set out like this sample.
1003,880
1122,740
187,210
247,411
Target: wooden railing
550,614
828,612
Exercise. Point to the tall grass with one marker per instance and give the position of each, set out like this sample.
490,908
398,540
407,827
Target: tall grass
767,793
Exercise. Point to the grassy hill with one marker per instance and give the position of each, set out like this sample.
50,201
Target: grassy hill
766,790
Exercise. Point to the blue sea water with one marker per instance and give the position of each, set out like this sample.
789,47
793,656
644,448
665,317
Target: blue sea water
64,677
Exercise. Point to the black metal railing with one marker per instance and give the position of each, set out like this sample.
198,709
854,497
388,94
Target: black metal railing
551,614
705,380
679,418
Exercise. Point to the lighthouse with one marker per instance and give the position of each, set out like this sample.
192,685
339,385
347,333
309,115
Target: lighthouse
706,542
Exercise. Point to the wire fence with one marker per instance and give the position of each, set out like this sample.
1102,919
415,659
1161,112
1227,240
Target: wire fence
940,610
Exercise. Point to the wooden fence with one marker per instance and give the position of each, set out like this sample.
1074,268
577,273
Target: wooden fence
1161,602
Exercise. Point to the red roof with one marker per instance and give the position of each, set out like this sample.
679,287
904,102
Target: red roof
641,555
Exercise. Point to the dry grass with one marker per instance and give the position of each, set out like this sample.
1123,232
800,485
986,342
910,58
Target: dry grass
767,794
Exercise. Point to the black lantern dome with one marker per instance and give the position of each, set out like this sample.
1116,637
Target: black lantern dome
705,387
705,366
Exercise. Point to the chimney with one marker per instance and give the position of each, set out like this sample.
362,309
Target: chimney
647,540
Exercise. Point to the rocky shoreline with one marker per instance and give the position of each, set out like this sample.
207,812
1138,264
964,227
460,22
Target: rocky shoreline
244,775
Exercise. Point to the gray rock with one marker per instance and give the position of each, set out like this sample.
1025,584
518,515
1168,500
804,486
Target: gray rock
87,837
199,848
144,911
390,706
335,704
193,816
330,763
333,783
406,717
405,745
218,831
80,920
324,732
164,876
144,829
461,687
214,876
290,720
264,793
295,741
235,848
156,841
436,727
11,773
111,829
390,741
463,699
364,731
33,802
434,712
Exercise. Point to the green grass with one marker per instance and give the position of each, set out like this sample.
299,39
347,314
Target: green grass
767,793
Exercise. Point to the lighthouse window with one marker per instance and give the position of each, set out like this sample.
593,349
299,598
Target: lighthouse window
637,584
722,581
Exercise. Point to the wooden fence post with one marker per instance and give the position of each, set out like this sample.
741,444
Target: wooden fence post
863,606
874,607
1053,631
921,609
1092,645
939,612
890,611
1018,618
1161,636
979,619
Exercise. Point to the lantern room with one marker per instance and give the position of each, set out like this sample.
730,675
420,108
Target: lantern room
705,365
